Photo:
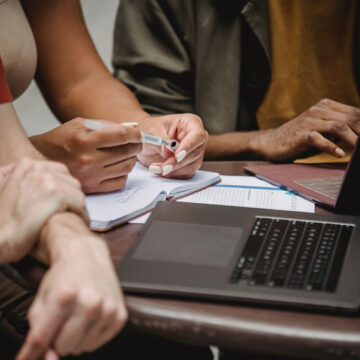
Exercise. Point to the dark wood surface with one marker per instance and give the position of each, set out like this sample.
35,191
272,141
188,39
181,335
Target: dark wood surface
258,330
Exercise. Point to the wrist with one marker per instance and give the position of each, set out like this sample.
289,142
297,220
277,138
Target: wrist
258,143
66,236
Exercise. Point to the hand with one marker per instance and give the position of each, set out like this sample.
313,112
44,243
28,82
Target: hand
30,193
315,127
189,131
79,306
100,159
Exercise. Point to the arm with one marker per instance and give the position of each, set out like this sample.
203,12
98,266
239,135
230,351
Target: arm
74,304
76,83
71,74
318,127
156,82
79,305
79,296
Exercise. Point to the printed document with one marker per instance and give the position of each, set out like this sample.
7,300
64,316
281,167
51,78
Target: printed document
247,191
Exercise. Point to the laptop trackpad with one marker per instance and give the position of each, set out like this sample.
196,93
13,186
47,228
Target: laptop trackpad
193,244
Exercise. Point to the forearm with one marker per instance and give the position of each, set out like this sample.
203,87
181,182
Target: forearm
13,140
98,97
235,145
71,75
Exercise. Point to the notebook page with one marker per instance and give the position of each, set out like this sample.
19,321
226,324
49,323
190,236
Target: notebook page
141,189
135,196
174,187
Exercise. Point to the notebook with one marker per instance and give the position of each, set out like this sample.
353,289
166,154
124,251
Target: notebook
140,195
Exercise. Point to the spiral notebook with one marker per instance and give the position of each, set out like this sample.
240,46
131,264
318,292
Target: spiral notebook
140,195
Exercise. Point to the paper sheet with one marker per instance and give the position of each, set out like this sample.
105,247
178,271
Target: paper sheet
247,191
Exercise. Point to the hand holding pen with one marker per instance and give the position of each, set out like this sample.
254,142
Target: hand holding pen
171,145
163,154
188,130
100,160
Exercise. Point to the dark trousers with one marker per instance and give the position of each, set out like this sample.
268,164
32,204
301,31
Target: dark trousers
15,301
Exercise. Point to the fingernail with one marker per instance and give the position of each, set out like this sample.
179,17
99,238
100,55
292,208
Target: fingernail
130,123
155,169
180,156
167,169
51,355
339,152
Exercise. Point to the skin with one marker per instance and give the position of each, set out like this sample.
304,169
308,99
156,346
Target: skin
30,193
76,83
79,305
315,128
100,159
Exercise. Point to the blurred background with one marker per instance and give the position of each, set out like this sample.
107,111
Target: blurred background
32,110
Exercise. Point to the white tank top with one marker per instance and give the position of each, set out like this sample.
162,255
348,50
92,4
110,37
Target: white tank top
17,46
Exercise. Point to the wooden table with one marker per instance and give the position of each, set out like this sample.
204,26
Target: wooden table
257,330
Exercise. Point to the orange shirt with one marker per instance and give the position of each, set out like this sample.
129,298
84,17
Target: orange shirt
312,57
5,95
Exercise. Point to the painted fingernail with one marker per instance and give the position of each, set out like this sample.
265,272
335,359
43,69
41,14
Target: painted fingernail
167,169
130,123
155,169
181,155
339,152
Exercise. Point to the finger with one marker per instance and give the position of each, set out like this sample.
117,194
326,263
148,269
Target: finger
337,106
55,166
187,171
339,129
73,333
112,320
119,169
45,322
171,165
192,141
109,156
114,136
51,355
328,114
75,202
318,141
61,178
109,185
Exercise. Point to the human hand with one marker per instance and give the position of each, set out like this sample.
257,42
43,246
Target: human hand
79,305
189,131
316,127
30,193
101,159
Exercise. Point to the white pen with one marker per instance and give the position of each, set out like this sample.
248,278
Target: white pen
145,138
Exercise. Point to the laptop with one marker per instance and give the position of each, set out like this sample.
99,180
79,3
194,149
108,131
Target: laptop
247,255
335,187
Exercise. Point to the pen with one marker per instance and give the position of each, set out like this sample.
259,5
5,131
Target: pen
145,138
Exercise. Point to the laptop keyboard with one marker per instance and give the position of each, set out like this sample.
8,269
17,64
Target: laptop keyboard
329,187
294,254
